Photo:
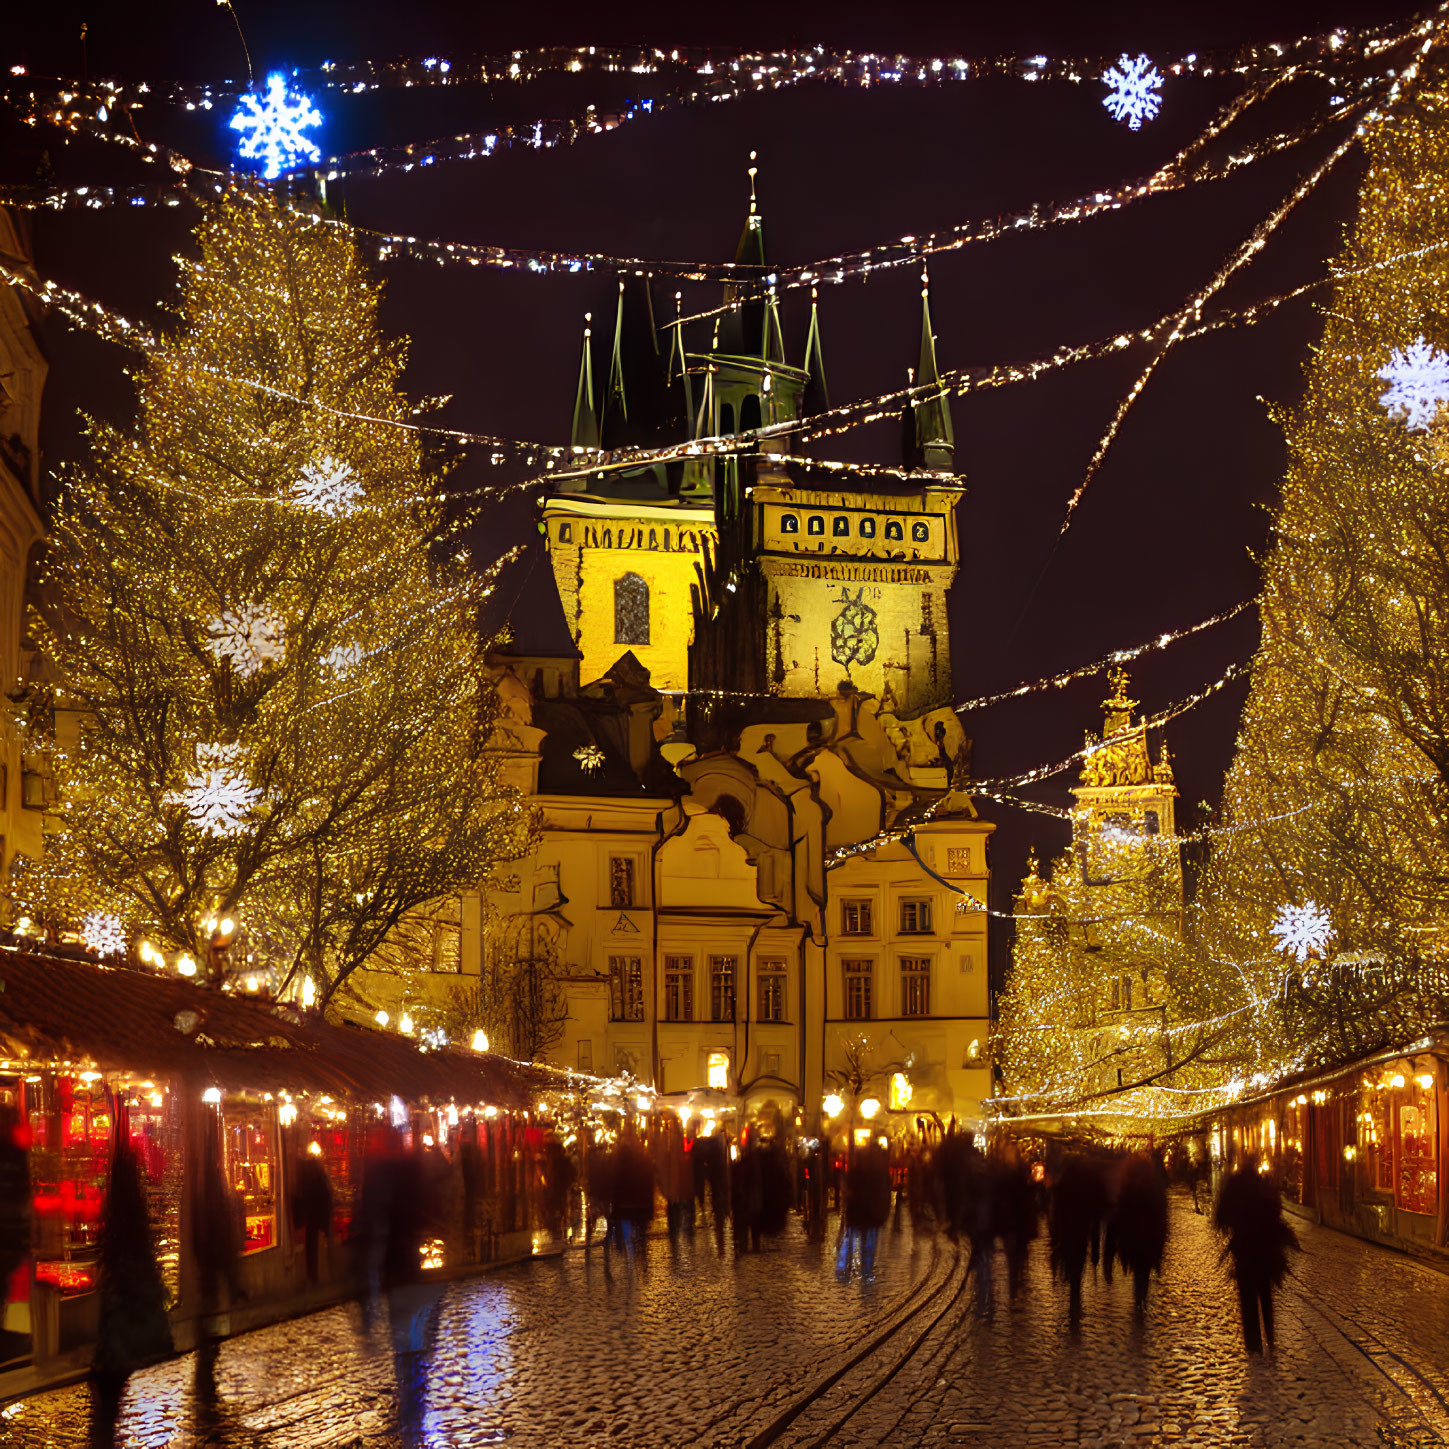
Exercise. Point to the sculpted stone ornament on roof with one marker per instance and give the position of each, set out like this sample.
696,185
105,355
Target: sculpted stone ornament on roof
1121,757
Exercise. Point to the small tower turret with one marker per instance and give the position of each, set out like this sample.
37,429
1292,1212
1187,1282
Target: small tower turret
930,439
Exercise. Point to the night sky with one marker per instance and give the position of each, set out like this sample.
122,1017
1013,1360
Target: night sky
1166,534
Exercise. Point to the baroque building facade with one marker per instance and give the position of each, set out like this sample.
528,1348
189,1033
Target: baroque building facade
727,697
1086,1006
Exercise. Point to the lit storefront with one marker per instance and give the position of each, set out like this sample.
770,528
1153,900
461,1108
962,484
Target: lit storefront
1361,1149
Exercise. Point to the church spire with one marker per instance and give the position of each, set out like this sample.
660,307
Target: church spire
585,431
817,396
615,401
931,440
744,325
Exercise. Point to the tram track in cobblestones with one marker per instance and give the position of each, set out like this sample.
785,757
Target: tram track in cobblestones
1374,1351
907,1314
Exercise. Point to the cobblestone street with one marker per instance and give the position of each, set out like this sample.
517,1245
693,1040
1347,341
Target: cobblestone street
795,1346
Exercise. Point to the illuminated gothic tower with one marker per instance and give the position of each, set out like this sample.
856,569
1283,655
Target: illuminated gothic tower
827,577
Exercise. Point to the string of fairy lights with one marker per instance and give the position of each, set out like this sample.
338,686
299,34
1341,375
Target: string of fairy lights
1362,100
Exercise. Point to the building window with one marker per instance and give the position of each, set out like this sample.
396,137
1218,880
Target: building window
855,918
915,985
631,610
893,529
867,528
626,988
815,524
771,993
722,988
586,1054
958,860
1151,823
771,1062
857,989
621,881
840,527
916,918
920,532
679,988
789,523
565,533
717,1071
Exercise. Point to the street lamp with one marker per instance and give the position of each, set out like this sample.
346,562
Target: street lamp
832,1105
869,1108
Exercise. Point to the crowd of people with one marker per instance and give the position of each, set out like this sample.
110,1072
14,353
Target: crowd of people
1109,1209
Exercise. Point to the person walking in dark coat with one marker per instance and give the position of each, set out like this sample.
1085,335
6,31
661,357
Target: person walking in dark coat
14,1200
1141,1222
133,1329
1250,1212
1078,1200
1014,1206
311,1207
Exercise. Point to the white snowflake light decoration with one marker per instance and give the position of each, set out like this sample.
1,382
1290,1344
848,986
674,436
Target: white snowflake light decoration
103,933
249,637
344,658
590,758
1418,380
219,802
272,124
1133,90
1303,931
327,487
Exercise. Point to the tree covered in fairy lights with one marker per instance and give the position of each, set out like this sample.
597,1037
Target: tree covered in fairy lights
1338,795
1319,929
273,694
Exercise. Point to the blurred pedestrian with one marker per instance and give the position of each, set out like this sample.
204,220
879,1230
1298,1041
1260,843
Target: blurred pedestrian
1014,1206
311,1207
216,1242
1140,1222
633,1206
1078,1198
14,1200
133,1328
1250,1212
867,1203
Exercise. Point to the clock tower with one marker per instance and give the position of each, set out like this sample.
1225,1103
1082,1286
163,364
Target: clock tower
826,577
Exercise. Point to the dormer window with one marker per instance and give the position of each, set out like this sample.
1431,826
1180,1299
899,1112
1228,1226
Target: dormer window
815,524
920,532
894,529
840,527
789,523
867,528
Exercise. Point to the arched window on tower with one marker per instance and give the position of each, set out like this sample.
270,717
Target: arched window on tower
750,414
631,610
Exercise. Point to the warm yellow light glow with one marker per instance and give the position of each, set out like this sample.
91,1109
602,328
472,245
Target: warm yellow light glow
212,1095
901,1092
862,1136
185,965
405,1025
227,926
832,1106
869,1108
718,1071
382,1018
642,1102
286,1114
314,1148
1397,1080
309,991
145,951
1426,1080
480,1040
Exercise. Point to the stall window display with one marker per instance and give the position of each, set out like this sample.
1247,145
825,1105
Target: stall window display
249,1136
70,1128
1416,1187
1375,1141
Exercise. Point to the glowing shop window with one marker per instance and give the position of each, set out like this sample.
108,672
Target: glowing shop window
901,1092
717,1068
249,1142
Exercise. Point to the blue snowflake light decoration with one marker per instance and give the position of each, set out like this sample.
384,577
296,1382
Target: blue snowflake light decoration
272,126
1133,90
1418,382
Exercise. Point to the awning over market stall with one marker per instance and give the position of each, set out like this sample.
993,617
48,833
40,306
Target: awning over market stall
57,1009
